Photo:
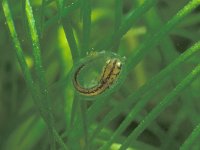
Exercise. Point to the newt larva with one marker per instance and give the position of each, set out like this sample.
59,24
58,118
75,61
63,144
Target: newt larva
109,75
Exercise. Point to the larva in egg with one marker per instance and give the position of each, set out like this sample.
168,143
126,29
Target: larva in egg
109,75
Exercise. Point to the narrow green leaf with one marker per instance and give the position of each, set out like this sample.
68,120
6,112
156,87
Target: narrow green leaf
191,139
71,38
167,48
66,11
132,114
60,4
19,52
139,54
21,59
86,17
41,17
36,47
128,23
45,104
161,106
118,20
147,45
118,14
150,87
85,123
171,133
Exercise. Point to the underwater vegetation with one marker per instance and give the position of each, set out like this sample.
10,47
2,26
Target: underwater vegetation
99,75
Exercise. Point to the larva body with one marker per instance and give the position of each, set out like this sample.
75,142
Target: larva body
109,75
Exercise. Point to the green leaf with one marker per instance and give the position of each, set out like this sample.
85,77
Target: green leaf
191,138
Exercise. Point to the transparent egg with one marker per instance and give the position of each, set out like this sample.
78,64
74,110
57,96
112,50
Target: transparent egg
98,73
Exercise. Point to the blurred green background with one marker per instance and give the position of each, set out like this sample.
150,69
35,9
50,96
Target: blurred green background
66,34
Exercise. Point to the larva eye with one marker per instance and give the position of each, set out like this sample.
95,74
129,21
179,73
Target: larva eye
96,75
108,61
119,65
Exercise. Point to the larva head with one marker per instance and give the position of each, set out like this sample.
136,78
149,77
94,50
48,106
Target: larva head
114,62
118,67
111,70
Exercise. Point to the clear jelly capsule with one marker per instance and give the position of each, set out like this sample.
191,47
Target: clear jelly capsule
98,73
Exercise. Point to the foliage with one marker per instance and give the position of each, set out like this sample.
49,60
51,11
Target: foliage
155,104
